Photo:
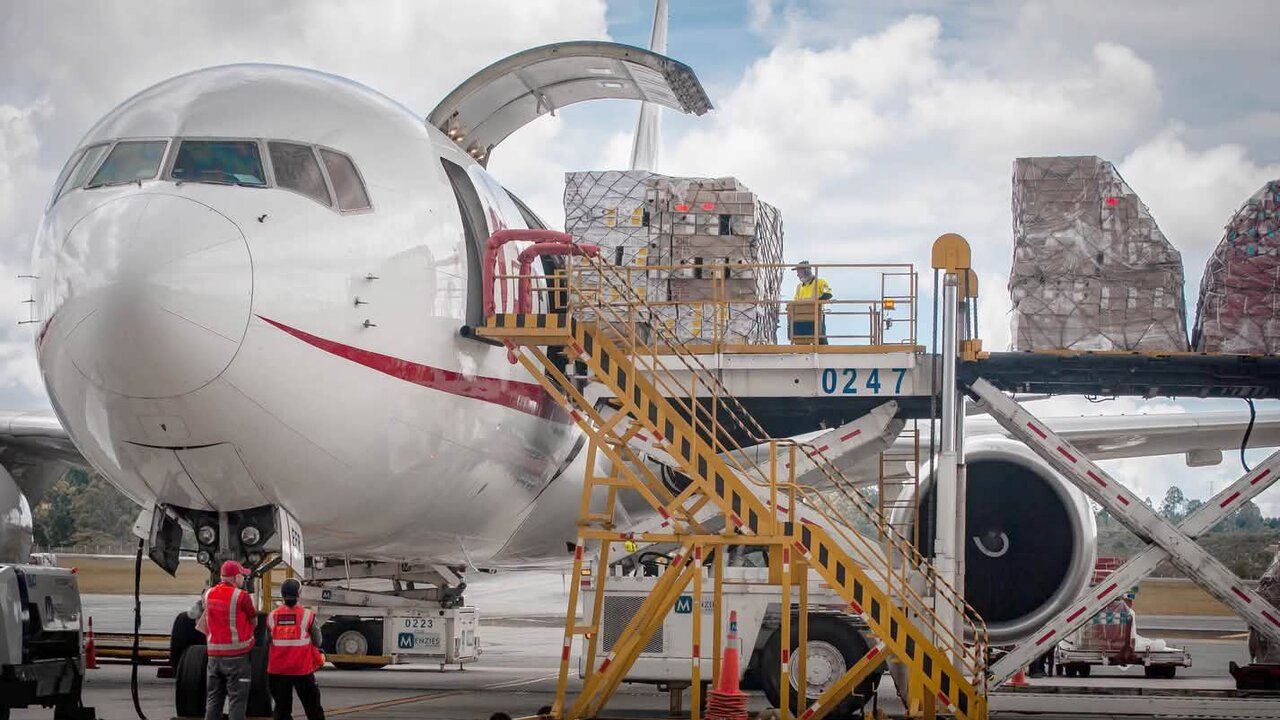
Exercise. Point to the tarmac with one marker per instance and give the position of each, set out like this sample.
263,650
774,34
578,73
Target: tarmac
521,635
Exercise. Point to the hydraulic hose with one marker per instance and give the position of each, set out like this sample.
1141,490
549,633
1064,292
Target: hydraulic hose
1248,430
137,631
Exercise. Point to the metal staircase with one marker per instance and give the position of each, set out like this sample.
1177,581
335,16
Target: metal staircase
710,492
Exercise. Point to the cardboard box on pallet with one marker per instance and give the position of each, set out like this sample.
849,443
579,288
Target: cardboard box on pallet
1091,269
640,219
737,323
1238,310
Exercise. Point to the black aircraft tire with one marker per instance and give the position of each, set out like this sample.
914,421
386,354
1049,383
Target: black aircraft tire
183,635
189,683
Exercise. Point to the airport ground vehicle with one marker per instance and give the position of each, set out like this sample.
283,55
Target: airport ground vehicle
837,640
41,651
1111,638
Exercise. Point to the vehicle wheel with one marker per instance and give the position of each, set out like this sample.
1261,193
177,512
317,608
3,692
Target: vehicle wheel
183,635
834,646
355,638
189,682
1084,670
1070,670
1164,672
259,704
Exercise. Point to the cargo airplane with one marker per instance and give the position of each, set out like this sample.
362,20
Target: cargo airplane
255,292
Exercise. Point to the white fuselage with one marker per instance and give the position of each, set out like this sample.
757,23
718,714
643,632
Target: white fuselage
220,347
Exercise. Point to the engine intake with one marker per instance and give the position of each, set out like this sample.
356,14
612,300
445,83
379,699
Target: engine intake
1030,536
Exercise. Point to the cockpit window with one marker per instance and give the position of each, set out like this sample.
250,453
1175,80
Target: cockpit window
129,161
296,169
78,171
224,162
346,181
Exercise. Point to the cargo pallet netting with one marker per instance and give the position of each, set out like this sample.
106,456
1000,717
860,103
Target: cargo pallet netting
1091,269
1239,306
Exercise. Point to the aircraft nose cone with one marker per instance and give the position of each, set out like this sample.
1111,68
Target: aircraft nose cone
163,286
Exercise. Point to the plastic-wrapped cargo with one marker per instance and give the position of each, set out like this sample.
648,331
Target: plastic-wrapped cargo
1262,650
1091,269
705,225
1239,306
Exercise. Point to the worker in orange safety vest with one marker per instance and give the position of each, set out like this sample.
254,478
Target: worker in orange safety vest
294,656
228,622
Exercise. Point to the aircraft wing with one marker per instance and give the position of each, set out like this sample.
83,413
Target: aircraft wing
1104,437
511,93
36,450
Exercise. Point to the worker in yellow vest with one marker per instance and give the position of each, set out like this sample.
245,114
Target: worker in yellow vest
806,312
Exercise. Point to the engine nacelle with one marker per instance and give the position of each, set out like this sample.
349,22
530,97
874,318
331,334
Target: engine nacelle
1031,540
15,522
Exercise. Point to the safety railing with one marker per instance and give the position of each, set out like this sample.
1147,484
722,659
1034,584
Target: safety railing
618,299
723,306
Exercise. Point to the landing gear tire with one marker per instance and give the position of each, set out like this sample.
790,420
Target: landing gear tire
259,704
834,646
189,682
182,636
353,637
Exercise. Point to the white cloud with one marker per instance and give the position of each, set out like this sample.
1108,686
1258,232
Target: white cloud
760,17
1192,193
875,146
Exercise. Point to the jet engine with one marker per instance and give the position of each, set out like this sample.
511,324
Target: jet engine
1030,536
15,521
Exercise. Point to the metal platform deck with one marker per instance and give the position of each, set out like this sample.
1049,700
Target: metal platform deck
792,391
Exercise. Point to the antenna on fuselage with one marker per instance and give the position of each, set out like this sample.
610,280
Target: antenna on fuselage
644,146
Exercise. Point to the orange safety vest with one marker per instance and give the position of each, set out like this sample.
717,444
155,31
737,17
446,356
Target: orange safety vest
291,650
228,633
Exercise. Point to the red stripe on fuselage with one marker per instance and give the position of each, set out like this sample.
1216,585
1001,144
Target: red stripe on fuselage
524,397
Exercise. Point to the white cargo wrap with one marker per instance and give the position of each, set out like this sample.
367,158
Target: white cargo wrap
705,225
1091,269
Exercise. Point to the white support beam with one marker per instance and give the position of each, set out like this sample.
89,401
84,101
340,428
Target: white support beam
1180,547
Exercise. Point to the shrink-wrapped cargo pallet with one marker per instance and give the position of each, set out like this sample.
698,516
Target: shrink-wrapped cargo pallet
689,233
1239,306
1091,269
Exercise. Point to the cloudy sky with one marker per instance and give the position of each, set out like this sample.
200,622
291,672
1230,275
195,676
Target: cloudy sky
875,126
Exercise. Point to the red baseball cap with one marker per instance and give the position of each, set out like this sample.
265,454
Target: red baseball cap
231,568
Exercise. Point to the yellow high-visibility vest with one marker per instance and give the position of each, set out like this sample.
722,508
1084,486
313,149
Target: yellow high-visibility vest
805,291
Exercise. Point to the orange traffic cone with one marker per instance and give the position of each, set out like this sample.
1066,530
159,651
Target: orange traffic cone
1019,679
727,701
90,650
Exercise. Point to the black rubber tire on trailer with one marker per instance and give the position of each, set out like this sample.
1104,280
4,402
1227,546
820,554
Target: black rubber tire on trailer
836,632
189,682
370,630
1163,672
183,635
1084,670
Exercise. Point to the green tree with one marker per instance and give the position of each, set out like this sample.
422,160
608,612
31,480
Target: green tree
83,509
1193,505
1171,508
54,518
103,513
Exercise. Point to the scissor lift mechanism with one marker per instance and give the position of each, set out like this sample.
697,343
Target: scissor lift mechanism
1166,542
